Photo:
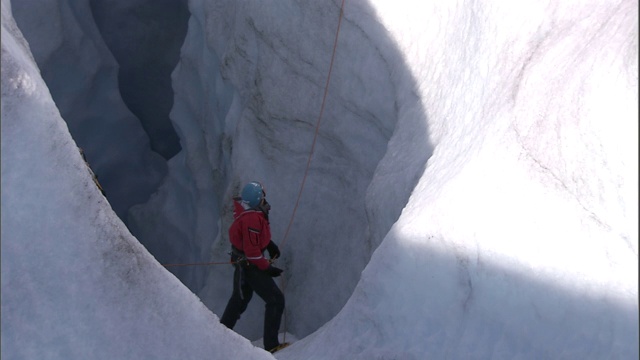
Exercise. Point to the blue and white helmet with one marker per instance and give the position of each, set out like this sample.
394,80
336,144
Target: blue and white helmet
252,194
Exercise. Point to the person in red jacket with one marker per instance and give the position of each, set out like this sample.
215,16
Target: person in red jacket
250,236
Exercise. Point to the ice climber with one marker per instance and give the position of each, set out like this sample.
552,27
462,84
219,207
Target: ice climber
250,236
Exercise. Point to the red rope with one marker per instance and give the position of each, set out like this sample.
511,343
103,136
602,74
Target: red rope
315,135
200,264
313,145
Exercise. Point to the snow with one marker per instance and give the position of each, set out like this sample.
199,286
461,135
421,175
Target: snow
473,193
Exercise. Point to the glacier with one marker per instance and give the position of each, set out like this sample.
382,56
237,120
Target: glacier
473,192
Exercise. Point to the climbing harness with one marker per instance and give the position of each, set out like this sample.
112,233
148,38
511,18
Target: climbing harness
240,263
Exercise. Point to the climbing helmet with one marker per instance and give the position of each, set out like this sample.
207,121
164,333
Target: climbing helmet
252,194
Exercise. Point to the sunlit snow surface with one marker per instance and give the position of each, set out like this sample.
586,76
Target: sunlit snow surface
475,182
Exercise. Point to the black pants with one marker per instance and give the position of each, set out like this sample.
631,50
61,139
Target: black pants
246,280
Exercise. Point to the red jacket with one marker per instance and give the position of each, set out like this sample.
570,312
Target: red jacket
250,233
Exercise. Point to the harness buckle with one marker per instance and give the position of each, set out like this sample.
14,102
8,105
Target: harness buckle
238,257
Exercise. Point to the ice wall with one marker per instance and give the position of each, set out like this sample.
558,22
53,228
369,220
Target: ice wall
82,75
249,88
520,239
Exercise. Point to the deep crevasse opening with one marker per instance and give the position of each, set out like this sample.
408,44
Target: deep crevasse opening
247,92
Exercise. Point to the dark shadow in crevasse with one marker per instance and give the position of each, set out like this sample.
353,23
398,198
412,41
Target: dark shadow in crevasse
145,37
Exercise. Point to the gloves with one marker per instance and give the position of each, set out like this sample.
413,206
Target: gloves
273,271
273,250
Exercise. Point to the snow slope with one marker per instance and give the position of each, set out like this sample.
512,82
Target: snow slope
75,283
